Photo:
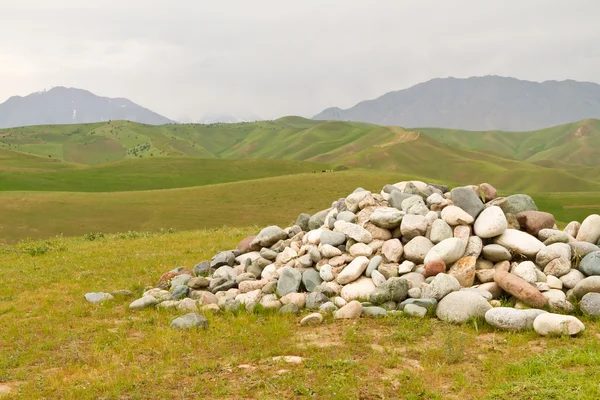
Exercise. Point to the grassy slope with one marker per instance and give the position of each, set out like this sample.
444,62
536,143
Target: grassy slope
576,143
260,202
294,138
148,174
54,345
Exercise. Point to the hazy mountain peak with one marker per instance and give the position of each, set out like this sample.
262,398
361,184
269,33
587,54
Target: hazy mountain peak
62,105
478,103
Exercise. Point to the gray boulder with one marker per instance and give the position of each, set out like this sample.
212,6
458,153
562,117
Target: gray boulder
512,319
459,307
465,198
289,281
190,321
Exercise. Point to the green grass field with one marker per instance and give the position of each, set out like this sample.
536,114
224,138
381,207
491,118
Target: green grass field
55,345
180,193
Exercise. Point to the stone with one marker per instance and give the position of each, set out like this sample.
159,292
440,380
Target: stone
590,264
468,200
98,297
488,192
347,216
428,304
328,251
474,247
417,249
553,251
526,271
373,265
359,289
520,242
590,304
449,251
377,278
534,221
462,232
299,299
289,281
326,273
315,300
464,271
190,321
353,270
179,292
244,246
440,230
197,283
549,236
394,289
290,309
496,253
490,223
461,306
558,267
520,289
572,228
392,250
144,302
360,249
405,267
413,226
353,199
571,279
582,249
312,319
414,310
512,319
454,215
440,286
302,221
590,229
434,267
517,203
374,312
222,272
557,325
554,282
353,231
311,279
328,308
318,220
269,236
352,310
223,258
386,217
587,285
332,238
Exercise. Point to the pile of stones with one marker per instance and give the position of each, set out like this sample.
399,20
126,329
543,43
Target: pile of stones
414,248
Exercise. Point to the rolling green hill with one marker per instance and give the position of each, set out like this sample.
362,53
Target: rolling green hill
577,143
512,161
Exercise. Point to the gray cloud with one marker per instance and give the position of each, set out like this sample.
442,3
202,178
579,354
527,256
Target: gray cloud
188,58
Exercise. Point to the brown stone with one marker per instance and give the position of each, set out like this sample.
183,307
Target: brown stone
534,221
462,232
434,267
244,245
488,191
464,271
167,276
520,289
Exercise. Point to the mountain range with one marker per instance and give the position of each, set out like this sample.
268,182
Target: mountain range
61,105
478,103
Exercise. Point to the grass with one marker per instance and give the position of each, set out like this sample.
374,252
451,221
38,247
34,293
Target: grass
53,344
262,202
467,156
150,174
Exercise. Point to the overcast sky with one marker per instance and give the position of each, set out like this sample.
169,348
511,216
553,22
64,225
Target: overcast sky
188,58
